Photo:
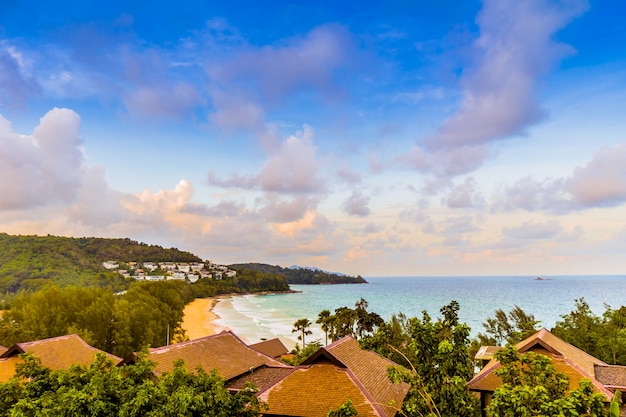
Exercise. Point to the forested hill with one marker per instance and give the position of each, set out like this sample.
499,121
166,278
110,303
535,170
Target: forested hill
302,275
30,262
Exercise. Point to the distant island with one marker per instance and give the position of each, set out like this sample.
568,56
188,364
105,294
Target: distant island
302,275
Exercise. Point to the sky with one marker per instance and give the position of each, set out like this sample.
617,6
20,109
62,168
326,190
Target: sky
430,137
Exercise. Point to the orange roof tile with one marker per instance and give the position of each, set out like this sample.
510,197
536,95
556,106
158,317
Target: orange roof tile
224,352
273,348
55,353
7,368
371,370
566,358
314,390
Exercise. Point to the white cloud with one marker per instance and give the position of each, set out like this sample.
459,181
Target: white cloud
501,98
280,210
163,100
292,169
534,230
16,80
515,49
600,183
43,168
357,204
465,195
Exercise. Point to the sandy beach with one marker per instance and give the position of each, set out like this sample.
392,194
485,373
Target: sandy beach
199,319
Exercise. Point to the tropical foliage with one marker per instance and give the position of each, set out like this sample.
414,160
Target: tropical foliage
531,386
601,336
439,366
505,328
103,390
357,322
145,315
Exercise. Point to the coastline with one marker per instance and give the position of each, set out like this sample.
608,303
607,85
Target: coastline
199,320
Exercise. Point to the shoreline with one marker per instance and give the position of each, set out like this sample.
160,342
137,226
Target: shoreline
199,320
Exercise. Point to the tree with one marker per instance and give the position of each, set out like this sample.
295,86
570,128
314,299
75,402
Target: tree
601,336
509,328
440,366
324,320
300,355
302,325
366,321
531,386
103,389
344,410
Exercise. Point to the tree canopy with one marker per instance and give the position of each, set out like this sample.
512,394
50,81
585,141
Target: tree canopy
104,390
531,386
601,336
302,275
31,262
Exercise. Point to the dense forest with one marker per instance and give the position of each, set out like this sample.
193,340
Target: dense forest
302,275
31,262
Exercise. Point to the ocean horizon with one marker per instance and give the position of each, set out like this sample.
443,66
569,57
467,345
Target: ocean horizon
258,317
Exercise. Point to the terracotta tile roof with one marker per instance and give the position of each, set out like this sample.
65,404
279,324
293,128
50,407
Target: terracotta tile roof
262,378
55,353
612,376
224,352
7,368
567,359
371,371
273,347
314,390
553,343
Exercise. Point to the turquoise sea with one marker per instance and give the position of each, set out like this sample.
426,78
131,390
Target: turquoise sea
257,317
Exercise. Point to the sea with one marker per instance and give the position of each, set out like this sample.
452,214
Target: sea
260,317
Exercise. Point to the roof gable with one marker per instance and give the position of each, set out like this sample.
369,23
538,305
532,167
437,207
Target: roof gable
273,348
314,390
566,358
224,352
55,353
369,368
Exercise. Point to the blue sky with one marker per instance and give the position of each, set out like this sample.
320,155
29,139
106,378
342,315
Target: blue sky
393,138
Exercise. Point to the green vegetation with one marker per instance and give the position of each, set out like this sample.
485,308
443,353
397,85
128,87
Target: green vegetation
436,362
121,324
300,355
301,275
531,386
302,326
345,410
601,336
147,314
357,322
103,390
505,328
31,262
246,281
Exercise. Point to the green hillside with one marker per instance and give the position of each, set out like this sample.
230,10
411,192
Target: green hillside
31,262
302,275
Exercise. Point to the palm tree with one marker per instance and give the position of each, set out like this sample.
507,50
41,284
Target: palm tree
302,325
324,320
